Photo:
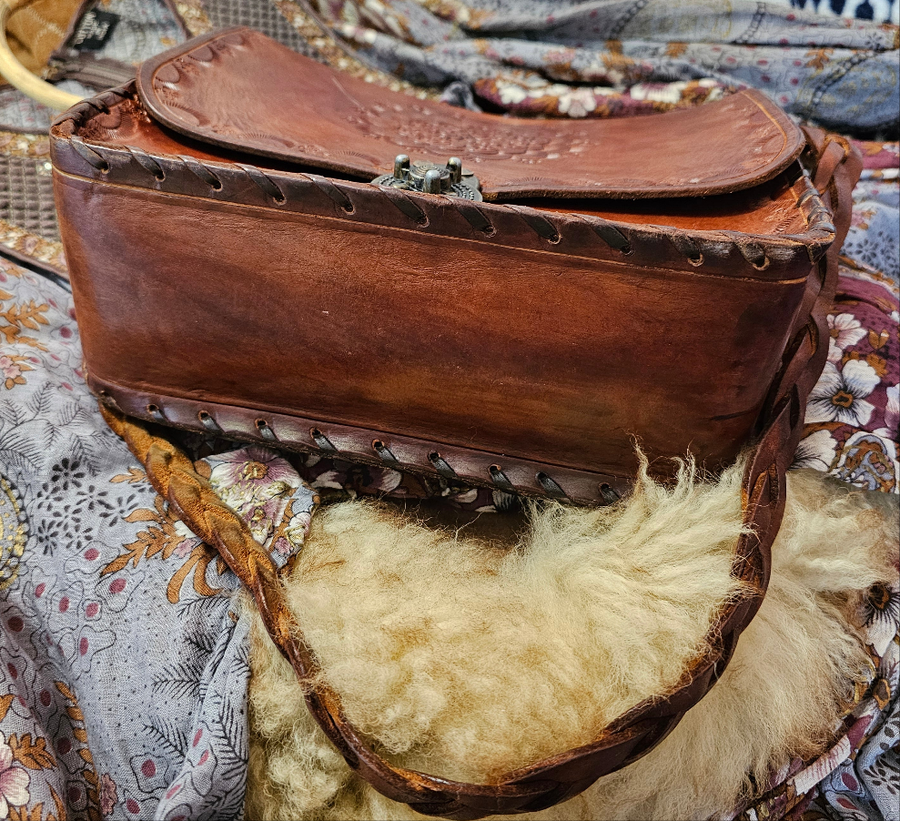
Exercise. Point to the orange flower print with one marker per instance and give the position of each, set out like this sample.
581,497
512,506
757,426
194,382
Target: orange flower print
13,780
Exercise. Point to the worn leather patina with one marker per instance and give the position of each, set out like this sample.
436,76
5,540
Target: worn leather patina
235,272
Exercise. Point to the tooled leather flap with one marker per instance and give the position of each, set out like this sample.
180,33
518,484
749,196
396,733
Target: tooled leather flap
242,91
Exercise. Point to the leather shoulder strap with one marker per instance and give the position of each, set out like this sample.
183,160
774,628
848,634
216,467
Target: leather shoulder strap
834,168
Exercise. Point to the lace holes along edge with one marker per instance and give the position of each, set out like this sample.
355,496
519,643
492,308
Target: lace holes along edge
760,263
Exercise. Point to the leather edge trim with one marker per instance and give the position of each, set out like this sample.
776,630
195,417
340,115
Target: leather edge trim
432,459
638,239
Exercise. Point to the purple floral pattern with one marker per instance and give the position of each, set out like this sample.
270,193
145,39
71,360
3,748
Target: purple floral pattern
632,57
268,493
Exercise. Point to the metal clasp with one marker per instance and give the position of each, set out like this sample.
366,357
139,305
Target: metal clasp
430,178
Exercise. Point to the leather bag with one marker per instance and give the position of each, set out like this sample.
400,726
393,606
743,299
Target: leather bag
268,250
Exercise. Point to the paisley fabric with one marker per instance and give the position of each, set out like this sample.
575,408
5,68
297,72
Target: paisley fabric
622,57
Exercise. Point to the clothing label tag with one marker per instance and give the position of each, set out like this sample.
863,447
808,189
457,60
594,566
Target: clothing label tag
95,28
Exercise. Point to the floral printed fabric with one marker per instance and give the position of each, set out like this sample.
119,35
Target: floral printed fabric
123,668
626,57
853,416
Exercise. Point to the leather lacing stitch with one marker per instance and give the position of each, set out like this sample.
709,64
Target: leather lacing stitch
609,494
198,169
406,206
550,487
156,414
147,162
384,452
264,183
208,422
500,479
91,157
321,440
753,252
262,180
612,236
537,223
688,248
265,430
476,218
332,192
441,466
85,109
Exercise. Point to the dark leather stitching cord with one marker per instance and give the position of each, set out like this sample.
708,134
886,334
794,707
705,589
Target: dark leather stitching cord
500,479
441,466
384,452
611,235
405,204
475,217
264,183
686,246
321,440
199,170
208,422
609,494
537,223
551,488
265,430
147,162
89,155
156,414
753,252
333,192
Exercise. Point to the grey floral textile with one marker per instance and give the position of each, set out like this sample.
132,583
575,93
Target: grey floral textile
123,665
618,57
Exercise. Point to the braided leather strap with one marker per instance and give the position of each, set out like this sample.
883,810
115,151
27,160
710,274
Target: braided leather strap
834,168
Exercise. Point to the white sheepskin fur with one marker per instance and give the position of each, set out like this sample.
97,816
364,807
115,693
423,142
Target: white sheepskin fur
465,658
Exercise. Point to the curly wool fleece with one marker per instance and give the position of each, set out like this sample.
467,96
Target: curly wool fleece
465,660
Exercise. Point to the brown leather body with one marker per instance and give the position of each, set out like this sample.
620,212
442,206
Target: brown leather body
663,279
535,337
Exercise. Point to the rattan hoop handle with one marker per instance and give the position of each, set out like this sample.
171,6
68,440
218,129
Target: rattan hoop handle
633,734
17,75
